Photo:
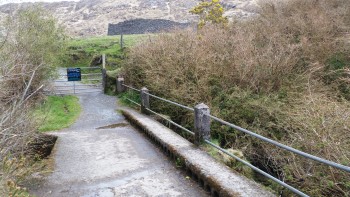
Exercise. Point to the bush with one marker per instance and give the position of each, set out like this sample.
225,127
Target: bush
28,52
268,74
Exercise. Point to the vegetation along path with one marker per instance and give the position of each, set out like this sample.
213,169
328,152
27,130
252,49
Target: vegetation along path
102,155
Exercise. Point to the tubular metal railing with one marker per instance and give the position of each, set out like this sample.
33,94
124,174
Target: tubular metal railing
171,102
170,121
285,147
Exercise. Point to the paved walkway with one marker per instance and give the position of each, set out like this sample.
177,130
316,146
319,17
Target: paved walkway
94,159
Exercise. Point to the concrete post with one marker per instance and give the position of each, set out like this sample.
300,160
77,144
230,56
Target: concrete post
144,100
120,88
201,123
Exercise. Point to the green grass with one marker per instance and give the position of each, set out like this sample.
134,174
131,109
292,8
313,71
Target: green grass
109,45
57,112
86,48
132,95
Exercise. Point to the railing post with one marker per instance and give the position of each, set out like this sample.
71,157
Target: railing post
144,100
120,88
201,123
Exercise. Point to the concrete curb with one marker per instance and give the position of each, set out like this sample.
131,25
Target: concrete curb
213,176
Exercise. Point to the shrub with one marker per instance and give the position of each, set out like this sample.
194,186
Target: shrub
269,74
27,54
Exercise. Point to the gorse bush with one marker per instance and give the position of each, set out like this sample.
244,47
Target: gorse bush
210,12
283,73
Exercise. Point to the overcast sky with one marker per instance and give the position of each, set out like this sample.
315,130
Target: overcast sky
3,2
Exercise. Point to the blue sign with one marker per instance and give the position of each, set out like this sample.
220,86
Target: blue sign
74,74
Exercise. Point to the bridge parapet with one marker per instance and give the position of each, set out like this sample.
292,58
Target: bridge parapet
214,177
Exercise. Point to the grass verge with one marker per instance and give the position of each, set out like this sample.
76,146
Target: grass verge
57,112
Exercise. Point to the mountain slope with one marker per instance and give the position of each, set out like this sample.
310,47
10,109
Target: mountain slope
91,17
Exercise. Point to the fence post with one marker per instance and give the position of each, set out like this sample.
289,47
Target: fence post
144,100
121,42
104,74
104,61
201,123
120,88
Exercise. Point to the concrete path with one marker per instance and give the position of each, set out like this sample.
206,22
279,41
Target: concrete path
94,159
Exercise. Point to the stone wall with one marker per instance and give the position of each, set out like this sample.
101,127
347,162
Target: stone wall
142,26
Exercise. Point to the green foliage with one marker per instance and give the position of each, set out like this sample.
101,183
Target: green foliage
210,12
57,112
337,73
180,163
132,95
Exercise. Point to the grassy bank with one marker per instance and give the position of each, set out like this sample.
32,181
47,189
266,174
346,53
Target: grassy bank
57,112
81,51
283,74
85,52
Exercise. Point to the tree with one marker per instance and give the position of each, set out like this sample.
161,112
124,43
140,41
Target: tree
210,12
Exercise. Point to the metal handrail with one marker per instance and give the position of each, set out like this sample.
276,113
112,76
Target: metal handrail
95,67
157,97
169,101
137,90
170,121
160,115
285,147
296,191
288,148
134,102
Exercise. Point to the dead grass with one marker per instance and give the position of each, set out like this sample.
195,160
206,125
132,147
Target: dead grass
278,74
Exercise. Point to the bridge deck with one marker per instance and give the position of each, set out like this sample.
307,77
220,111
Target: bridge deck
95,159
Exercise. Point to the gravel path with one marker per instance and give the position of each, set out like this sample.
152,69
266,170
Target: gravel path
93,159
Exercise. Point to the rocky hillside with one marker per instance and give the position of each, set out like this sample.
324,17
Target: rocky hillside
91,17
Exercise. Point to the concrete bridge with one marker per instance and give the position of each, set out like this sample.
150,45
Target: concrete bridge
103,155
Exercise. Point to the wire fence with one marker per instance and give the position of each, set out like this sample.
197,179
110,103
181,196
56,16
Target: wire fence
285,147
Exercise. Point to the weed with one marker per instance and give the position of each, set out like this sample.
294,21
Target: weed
180,163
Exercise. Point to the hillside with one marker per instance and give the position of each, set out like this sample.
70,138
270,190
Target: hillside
91,17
